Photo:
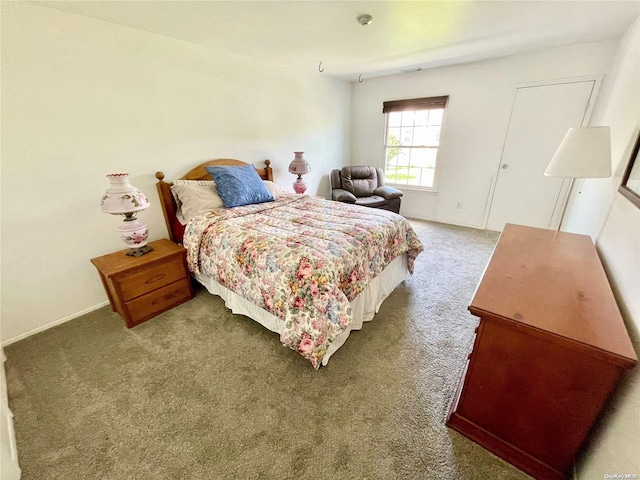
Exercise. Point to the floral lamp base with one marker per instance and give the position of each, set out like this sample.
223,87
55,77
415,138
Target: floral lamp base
134,234
299,186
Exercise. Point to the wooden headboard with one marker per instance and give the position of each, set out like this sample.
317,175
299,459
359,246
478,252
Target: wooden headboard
175,228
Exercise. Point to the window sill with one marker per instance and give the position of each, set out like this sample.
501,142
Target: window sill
413,188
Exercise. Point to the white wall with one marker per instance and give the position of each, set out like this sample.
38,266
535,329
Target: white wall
614,222
477,116
82,98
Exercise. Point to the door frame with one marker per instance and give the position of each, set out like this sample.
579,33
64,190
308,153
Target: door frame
563,195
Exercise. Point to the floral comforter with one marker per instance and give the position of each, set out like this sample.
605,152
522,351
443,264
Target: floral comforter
300,258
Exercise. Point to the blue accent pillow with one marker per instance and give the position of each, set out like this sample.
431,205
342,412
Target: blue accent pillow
239,186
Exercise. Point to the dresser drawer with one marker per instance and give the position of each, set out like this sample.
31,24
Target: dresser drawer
146,306
140,282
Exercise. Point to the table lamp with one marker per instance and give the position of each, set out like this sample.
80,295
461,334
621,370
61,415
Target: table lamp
122,198
299,166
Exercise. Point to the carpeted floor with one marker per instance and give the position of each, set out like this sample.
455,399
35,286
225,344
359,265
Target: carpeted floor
200,393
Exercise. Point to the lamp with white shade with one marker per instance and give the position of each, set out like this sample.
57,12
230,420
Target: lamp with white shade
583,153
299,166
122,198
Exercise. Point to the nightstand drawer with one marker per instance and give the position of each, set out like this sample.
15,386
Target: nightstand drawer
158,301
146,280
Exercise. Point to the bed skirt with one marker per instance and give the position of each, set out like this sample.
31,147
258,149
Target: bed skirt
364,306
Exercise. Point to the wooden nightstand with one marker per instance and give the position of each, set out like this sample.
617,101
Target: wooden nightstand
139,288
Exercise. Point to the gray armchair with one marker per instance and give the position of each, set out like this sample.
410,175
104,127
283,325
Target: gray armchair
364,185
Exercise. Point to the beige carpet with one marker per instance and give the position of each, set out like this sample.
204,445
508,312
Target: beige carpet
200,393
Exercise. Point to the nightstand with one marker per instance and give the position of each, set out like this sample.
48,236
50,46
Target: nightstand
139,288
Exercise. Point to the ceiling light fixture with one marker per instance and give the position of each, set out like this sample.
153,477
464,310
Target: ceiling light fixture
365,20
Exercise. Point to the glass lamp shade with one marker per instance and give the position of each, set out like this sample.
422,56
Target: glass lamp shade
122,198
299,166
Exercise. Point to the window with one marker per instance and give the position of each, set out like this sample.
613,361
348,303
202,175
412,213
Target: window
412,139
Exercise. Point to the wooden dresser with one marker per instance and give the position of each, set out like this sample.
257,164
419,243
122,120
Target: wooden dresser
549,350
140,288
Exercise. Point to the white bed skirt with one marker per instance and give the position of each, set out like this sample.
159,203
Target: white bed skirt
364,306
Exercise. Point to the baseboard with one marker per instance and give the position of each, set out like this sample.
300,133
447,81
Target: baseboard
52,324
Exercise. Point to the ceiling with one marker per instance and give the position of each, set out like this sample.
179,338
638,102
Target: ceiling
404,35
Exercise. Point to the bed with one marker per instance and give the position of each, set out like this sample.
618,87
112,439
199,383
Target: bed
309,269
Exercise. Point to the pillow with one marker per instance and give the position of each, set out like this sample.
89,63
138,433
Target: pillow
239,185
194,197
274,188
193,182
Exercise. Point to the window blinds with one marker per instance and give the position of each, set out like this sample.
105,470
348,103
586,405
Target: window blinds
426,103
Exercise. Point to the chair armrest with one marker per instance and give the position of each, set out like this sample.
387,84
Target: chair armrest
340,195
388,192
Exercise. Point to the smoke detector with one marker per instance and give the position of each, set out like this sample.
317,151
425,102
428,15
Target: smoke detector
365,20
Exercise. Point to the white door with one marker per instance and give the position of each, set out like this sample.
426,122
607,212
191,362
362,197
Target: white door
540,117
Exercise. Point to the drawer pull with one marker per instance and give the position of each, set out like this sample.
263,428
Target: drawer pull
166,297
155,278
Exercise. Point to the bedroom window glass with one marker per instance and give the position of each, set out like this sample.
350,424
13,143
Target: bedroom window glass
412,140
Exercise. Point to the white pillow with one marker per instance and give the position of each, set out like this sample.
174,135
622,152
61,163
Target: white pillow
193,182
273,188
194,197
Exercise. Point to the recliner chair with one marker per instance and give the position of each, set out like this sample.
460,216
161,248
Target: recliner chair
364,185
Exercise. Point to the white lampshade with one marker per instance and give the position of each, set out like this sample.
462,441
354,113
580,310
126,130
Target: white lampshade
583,153
122,197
